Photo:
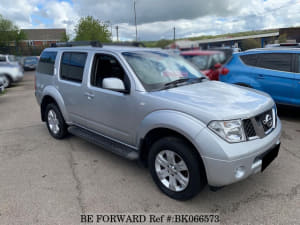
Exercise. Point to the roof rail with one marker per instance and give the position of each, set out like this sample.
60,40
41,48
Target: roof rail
76,43
127,43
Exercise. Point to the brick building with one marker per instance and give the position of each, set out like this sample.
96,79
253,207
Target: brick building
43,37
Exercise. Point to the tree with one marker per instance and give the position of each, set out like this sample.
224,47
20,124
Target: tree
65,37
9,32
250,43
90,29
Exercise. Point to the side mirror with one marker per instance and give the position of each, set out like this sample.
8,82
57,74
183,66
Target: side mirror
217,66
114,84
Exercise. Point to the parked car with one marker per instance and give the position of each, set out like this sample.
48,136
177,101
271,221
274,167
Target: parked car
275,71
208,62
30,63
148,105
10,70
228,51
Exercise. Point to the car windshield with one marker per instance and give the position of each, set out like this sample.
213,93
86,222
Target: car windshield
200,61
12,58
156,69
30,60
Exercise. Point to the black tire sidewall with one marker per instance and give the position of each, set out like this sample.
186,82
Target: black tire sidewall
62,125
197,178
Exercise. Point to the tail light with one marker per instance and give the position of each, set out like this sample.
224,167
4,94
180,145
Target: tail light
224,71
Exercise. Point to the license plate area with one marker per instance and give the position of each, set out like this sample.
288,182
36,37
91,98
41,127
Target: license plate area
269,156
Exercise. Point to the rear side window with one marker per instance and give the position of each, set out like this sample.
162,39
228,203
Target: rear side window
249,60
273,61
46,63
2,58
72,66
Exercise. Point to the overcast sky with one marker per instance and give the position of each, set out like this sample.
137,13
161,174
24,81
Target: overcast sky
156,18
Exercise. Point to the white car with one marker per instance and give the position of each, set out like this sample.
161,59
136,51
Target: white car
10,70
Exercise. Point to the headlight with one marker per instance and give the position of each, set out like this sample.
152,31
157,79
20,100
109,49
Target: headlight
231,131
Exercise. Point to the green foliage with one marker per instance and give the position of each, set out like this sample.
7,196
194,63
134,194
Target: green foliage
9,32
65,37
158,44
250,43
90,29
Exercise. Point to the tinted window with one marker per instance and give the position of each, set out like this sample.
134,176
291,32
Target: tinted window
249,60
2,59
46,63
281,62
72,66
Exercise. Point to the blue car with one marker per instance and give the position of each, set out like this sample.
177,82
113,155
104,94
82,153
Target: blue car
275,71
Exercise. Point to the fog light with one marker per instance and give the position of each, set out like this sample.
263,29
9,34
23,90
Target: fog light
240,172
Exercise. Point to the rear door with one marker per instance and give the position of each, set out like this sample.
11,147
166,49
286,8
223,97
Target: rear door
70,83
275,76
297,80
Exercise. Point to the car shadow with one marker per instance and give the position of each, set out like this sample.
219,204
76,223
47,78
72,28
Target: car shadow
288,113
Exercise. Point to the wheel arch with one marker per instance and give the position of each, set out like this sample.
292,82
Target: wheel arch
51,95
165,123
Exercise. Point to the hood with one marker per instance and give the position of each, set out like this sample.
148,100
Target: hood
214,100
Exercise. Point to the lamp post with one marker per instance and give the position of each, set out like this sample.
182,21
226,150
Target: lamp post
136,38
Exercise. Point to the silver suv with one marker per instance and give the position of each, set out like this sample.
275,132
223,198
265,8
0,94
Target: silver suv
153,106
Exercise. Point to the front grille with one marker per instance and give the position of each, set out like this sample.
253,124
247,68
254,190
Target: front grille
260,125
249,128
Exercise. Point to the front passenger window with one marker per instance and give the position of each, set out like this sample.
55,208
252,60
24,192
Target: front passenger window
107,66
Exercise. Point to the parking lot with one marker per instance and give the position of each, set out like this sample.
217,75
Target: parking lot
46,181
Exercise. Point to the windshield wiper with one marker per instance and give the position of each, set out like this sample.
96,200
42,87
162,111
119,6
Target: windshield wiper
198,79
175,82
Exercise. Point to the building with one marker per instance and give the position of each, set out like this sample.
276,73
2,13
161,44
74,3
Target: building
43,37
183,45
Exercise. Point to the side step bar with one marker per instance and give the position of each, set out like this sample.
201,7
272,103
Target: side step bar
105,143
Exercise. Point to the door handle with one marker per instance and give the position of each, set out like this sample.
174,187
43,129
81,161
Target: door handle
89,95
260,76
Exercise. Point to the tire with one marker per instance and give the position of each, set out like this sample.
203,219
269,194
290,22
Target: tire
7,81
55,122
193,173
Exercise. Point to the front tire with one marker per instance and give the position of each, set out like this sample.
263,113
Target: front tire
175,168
7,81
55,122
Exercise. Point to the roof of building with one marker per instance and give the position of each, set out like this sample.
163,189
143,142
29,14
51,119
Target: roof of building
44,34
275,34
199,52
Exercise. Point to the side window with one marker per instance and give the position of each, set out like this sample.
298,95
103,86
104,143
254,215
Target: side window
105,66
249,60
72,66
2,59
46,63
273,61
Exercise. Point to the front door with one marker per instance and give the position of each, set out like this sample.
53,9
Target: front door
108,112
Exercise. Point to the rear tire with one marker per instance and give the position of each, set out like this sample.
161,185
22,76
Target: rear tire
55,122
180,177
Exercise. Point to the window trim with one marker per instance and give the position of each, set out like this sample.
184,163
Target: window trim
78,83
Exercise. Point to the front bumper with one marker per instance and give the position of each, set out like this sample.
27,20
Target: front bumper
227,163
